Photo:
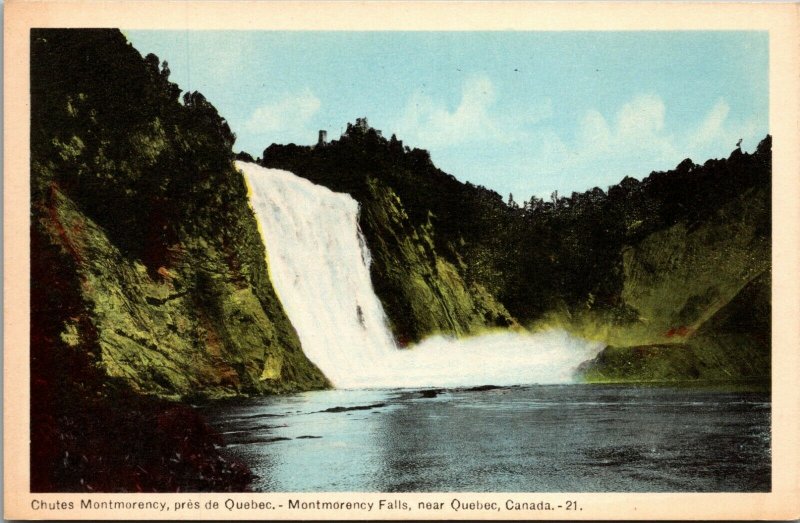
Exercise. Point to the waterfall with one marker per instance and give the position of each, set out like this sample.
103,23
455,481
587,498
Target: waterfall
319,266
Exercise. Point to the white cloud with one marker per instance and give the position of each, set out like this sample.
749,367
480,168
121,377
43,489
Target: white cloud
637,129
432,125
642,116
717,128
594,129
633,141
639,136
636,134
289,115
539,154
712,125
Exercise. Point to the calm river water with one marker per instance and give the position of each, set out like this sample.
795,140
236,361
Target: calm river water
554,438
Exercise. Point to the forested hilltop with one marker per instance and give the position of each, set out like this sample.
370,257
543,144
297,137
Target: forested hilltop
148,274
644,265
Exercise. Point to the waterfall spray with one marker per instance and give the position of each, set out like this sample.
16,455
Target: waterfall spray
319,266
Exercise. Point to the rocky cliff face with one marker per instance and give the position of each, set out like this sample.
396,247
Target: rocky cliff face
732,347
417,270
195,328
148,275
679,277
422,291
144,199
702,295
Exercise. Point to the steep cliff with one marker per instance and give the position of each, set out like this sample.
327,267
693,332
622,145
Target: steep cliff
422,291
196,328
732,346
139,189
418,271
696,285
148,276
679,277
702,296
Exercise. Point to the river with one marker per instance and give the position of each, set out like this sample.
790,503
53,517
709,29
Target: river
542,438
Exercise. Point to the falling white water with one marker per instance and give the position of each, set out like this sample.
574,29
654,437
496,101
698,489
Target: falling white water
319,264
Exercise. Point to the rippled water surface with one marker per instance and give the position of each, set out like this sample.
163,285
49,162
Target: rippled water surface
555,438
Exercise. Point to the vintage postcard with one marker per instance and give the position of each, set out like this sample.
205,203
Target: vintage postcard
401,260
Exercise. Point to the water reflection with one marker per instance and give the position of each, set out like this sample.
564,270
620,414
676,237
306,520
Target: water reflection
518,439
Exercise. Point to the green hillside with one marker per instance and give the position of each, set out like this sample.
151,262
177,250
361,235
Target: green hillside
148,274
732,348
703,300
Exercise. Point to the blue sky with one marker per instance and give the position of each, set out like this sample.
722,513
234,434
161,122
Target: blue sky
521,112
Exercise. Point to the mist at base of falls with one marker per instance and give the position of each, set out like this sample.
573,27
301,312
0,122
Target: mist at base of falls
319,266
502,358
